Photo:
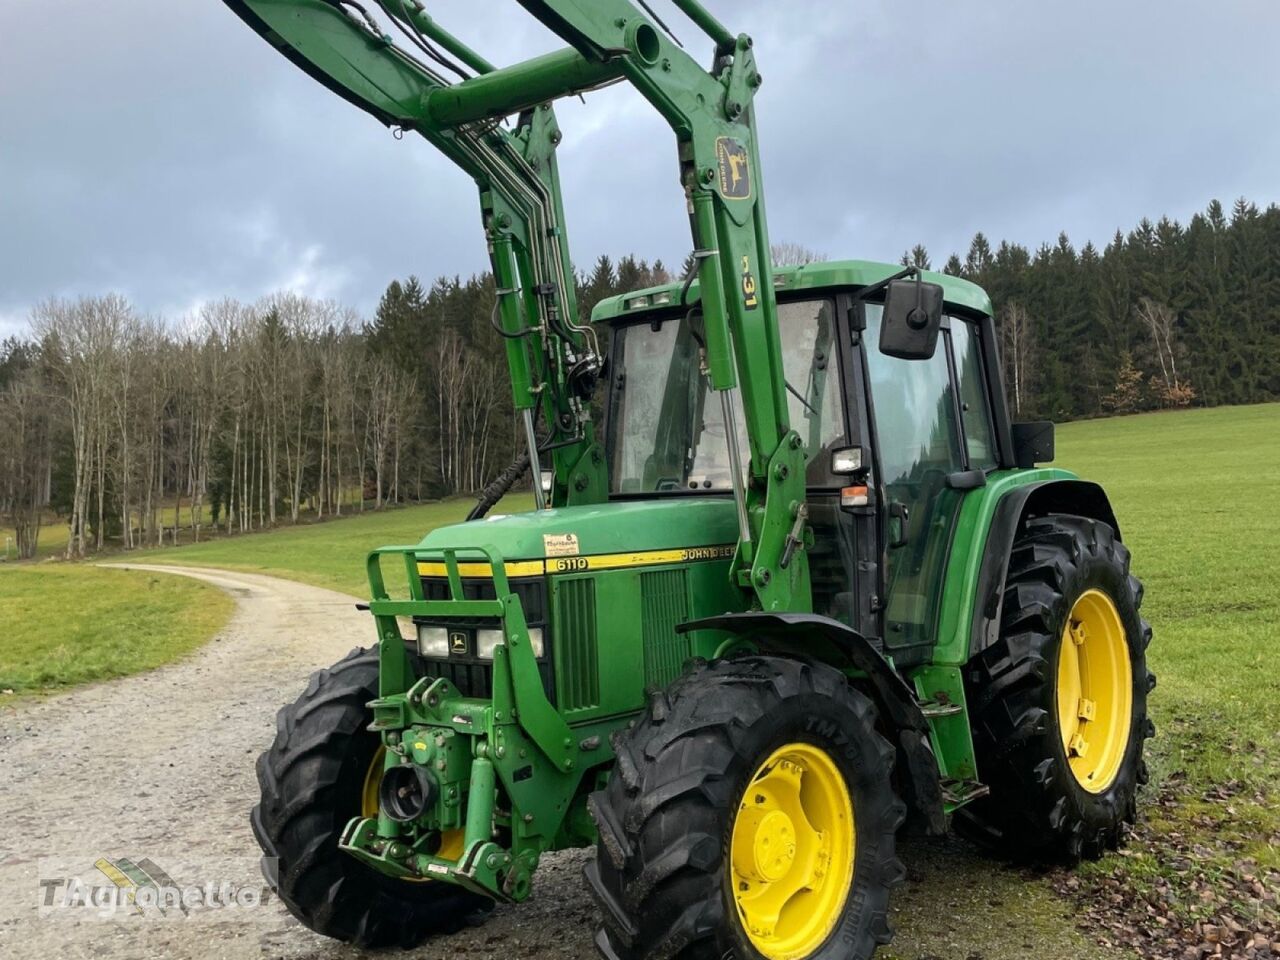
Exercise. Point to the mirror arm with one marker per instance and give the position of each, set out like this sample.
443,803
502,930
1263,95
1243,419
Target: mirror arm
875,288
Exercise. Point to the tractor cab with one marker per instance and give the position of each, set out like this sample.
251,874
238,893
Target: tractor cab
890,444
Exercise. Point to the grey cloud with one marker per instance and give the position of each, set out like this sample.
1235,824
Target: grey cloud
161,149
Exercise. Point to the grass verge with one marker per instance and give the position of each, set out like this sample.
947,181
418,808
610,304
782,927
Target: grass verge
1195,493
69,624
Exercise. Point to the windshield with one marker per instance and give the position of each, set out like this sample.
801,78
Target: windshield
666,428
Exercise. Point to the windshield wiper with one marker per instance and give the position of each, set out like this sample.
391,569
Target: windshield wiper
796,393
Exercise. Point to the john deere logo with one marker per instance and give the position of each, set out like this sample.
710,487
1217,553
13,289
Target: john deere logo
735,169
457,642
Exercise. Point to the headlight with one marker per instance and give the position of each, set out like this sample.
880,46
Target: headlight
486,640
433,641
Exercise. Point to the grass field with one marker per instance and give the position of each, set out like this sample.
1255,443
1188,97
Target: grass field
52,542
329,554
1196,494
69,624
54,531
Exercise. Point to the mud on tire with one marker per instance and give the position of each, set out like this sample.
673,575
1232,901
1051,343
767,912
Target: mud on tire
311,780
1037,809
667,813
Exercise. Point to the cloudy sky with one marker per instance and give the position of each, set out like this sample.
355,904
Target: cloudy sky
160,149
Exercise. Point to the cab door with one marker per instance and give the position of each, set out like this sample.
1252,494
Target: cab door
933,438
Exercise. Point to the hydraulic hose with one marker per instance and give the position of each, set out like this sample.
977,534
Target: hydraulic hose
498,487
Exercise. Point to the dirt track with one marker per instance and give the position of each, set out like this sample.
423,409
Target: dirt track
161,765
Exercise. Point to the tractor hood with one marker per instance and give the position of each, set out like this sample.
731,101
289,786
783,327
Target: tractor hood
621,527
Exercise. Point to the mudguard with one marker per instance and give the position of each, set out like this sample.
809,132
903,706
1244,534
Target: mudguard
793,634
1081,498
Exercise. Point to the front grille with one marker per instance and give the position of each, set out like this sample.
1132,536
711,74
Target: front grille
576,628
665,598
470,674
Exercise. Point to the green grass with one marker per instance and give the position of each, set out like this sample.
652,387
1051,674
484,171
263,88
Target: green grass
329,554
1197,496
54,534
55,531
1196,493
66,624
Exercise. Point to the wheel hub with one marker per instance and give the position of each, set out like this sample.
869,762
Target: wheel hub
772,853
792,852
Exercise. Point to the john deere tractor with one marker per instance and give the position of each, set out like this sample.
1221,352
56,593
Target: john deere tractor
802,582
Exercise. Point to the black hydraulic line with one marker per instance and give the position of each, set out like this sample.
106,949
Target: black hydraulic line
658,20
493,320
698,256
425,45
499,486
548,447
371,23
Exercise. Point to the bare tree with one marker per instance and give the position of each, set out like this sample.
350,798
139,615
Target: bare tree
1017,352
26,424
80,341
1160,322
789,254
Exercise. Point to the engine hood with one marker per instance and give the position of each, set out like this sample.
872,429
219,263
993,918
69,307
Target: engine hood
632,526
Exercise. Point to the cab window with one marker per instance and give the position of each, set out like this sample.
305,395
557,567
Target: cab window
975,410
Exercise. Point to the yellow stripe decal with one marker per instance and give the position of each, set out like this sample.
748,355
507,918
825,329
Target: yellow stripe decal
514,568
599,561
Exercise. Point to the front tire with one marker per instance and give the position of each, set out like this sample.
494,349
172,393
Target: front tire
1060,700
317,776
749,815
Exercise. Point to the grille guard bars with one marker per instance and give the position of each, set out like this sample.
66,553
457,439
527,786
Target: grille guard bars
517,687
487,737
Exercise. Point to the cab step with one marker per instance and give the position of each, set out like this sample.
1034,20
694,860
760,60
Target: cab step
937,709
957,793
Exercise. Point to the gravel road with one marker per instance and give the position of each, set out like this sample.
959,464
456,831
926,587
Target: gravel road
161,766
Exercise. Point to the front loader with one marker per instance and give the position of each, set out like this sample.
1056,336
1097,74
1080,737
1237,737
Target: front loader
803,584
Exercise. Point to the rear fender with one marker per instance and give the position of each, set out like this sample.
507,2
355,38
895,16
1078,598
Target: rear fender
797,635
1081,498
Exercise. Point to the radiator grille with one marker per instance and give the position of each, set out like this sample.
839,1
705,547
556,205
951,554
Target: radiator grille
665,597
578,672
472,675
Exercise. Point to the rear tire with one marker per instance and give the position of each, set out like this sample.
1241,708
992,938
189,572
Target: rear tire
669,871
312,782
1051,801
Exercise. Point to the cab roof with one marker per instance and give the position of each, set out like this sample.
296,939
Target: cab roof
835,274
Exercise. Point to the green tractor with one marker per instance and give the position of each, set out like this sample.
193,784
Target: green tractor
802,582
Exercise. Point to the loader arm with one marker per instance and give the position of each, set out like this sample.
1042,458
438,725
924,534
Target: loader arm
348,47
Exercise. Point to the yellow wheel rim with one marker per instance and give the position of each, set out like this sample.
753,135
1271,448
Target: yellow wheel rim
452,842
372,781
1095,691
792,852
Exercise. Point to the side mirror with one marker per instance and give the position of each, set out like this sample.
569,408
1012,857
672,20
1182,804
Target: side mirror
912,317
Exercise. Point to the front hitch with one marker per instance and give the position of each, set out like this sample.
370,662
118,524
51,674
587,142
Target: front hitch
478,789
483,867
